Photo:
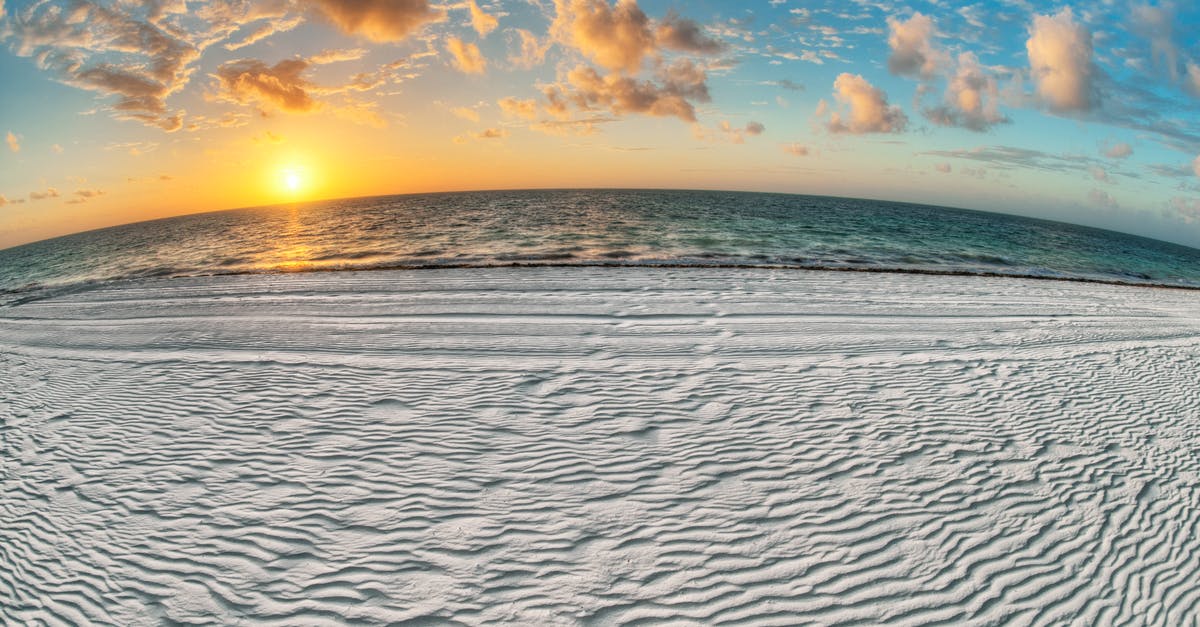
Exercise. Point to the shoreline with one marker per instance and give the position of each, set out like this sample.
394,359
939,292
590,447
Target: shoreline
31,294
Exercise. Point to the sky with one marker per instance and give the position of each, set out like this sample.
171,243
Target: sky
115,112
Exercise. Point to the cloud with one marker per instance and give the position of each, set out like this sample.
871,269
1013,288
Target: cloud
484,135
1102,199
49,193
264,30
1060,59
57,149
911,42
1100,174
1119,151
795,149
869,108
337,55
583,127
280,86
1157,25
466,113
531,52
467,57
725,131
1186,209
83,195
518,108
1196,165
139,60
3,200
680,83
1193,77
616,37
480,21
682,34
789,85
378,20
972,99
944,168
14,142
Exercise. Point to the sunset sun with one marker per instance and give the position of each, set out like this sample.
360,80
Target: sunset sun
292,180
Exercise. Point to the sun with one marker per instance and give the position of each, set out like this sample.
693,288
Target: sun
293,180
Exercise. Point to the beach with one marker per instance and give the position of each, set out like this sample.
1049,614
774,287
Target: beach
601,446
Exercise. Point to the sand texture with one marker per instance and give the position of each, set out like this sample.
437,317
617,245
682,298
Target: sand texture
601,446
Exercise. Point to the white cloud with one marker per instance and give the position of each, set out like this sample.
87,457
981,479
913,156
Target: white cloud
869,108
911,42
1060,58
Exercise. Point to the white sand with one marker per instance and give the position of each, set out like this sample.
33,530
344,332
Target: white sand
601,446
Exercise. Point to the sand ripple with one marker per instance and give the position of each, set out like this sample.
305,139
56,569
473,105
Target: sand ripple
608,447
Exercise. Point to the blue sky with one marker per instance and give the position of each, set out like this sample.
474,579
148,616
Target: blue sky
117,111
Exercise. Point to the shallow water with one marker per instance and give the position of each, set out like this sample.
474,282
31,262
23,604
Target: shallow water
624,227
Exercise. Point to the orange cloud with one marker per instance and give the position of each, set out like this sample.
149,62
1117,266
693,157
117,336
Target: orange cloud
518,108
869,108
467,57
280,86
378,20
617,37
480,21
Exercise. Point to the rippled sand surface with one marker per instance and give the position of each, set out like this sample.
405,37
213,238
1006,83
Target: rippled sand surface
601,446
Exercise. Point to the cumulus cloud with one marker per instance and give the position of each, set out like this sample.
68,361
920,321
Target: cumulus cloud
467,57
682,34
913,52
1119,151
377,20
480,21
972,98
49,193
526,109
679,85
944,168
1060,59
618,37
869,108
14,142
281,86
57,149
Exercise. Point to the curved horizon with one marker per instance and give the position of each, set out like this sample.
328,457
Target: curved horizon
300,204
119,113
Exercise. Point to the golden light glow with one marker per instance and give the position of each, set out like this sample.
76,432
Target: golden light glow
293,180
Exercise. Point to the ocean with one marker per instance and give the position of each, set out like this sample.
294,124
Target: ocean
594,227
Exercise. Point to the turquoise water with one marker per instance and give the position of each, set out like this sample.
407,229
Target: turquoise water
620,227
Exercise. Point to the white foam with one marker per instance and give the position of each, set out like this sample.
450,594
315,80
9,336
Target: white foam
605,446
